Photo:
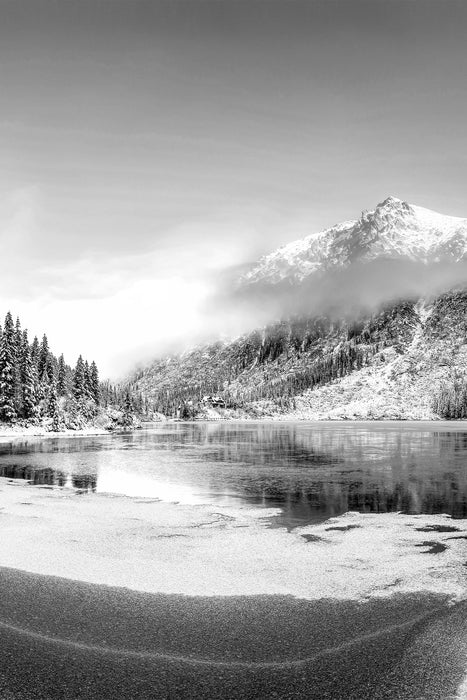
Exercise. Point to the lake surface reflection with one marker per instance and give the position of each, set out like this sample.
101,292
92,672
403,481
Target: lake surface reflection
312,471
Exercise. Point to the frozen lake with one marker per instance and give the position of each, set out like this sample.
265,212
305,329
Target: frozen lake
312,471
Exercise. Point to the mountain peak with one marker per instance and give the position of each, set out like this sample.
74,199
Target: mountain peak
390,201
394,229
392,205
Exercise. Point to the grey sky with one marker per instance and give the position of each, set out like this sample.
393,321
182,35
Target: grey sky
147,145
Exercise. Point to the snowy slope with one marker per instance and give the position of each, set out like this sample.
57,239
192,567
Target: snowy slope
394,229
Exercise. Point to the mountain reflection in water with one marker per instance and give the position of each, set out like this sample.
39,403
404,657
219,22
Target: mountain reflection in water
311,471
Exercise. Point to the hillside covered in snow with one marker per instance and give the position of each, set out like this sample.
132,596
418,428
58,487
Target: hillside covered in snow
402,358
394,230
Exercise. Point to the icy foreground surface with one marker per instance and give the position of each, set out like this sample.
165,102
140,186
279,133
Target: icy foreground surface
394,229
152,546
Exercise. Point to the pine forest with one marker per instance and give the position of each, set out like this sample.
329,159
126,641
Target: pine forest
39,388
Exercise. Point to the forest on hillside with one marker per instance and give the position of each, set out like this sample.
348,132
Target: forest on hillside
267,371
280,362
37,387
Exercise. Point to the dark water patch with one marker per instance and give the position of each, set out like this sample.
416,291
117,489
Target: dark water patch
84,482
433,547
37,476
437,528
343,528
312,538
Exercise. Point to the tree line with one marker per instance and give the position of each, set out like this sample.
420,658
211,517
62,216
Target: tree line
450,400
275,364
36,385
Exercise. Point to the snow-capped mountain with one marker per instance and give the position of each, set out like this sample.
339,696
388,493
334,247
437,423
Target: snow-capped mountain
394,229
400,355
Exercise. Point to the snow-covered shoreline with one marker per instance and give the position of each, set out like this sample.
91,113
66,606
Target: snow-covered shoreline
8,432
164,547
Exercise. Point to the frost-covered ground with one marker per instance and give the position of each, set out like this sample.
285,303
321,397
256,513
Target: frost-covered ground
149,545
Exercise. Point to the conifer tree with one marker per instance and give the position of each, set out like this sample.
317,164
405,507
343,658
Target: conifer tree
94,383
27,379
41,393
18,333
50,369
57,423
53,408
17,357
61,376
78,380
35,353
87,380
127,409
43,388
43,359
7,371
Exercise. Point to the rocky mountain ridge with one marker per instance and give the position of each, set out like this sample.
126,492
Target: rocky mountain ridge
394,230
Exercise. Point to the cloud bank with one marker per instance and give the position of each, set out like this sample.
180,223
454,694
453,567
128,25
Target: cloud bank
349,292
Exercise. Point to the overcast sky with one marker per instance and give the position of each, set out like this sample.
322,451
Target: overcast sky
147,146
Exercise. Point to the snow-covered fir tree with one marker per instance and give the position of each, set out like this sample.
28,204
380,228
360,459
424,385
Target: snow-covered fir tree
7,371
43,359
79,380
61,376
27,380
94,383
53,410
